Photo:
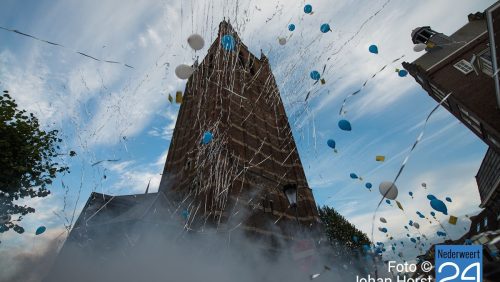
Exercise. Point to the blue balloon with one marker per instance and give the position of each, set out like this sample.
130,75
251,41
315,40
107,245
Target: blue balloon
207,137
368,185
325,28
448,199
353,175
413,240
411,193
345,125
439,206
421,215
388,202
308,9
40,230
228,42
433,213
383,230
331,143
315,75
373,49
410,223
402,73
439,233
185,214
431,197
291,27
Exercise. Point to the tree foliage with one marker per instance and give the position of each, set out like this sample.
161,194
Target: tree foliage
27,161
339,230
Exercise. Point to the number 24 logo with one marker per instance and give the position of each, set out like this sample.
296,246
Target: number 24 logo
457,272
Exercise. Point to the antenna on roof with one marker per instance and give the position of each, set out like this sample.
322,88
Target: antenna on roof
147,188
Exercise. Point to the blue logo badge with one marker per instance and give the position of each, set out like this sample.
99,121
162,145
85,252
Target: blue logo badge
459,263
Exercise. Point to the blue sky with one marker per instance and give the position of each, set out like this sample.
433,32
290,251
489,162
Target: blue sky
107,111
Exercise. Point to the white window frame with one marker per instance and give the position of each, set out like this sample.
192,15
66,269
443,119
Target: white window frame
464,66
485,222
485,64
493,140
470,119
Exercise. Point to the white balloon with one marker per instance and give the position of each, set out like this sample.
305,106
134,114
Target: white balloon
183,71
419,47
416,225
282,41
388,190
383,220
196,42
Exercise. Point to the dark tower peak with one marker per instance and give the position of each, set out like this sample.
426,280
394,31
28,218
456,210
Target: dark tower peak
263,57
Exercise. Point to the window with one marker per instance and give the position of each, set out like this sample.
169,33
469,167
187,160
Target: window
439,94
464,66
420,79
470,119
478,227
485,62
485,223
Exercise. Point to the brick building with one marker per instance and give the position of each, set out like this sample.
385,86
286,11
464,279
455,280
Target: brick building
252,158
465,64
248,177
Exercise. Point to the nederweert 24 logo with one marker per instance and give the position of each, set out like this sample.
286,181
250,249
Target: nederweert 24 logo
459,263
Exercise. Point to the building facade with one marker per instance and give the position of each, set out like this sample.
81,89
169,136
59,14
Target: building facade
488,181
232,153
465,64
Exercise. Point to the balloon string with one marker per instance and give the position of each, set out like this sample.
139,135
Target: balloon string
406,159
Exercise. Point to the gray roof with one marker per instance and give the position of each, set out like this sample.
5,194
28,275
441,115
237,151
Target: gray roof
102,209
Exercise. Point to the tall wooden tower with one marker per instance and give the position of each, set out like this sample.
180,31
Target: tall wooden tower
237,179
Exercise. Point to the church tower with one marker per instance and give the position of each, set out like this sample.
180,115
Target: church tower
232,161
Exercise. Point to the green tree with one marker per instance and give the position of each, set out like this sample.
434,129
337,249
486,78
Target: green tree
339,230
27,161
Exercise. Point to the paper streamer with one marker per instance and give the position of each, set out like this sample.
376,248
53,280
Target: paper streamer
364,84
419,138
60,45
